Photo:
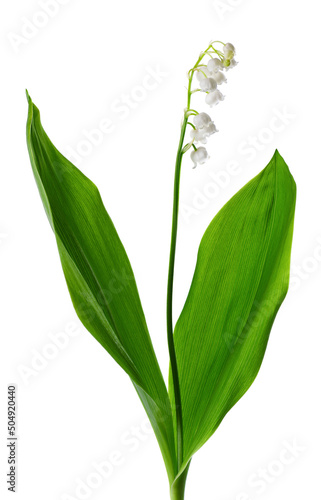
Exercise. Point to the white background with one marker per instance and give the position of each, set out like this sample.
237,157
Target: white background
79,408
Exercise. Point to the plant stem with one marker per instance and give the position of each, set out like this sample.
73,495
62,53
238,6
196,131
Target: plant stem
178,487
170,337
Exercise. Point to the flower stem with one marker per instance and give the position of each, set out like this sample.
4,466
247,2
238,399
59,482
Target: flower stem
170,336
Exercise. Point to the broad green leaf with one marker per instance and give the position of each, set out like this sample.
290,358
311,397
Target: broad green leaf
240,281
99,276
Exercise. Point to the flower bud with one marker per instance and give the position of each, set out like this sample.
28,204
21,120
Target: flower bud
229,51
208,84
199,155
201,120
214,65
214,98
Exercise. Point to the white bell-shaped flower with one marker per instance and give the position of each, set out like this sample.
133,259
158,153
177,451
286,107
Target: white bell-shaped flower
219,77
214,98
202,73
199,135
211,129
229,51
214,65
201,120
231,64
199,155
208,84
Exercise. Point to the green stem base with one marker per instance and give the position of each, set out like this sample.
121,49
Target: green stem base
178,487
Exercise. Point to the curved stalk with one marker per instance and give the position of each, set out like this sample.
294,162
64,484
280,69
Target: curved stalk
170,337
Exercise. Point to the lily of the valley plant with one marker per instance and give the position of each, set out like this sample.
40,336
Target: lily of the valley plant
240,280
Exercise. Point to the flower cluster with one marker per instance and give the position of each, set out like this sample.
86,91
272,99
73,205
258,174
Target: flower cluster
209,76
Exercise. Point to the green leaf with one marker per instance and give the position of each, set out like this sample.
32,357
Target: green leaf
99,276
240,281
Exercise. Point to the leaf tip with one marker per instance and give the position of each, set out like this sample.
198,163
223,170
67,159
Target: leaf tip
277,155
28,97
278,160
282,166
